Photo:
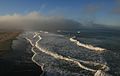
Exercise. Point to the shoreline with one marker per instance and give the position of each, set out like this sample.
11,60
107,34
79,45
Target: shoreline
57,56
18,60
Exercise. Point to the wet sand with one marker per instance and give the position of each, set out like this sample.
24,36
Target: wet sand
17,61
8,68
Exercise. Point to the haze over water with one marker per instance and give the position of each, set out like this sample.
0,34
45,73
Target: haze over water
74,37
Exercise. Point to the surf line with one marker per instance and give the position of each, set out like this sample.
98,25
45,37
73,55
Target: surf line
90,47
55,55
32,49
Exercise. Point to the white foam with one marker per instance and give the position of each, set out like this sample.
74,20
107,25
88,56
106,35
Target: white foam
90,47
57,56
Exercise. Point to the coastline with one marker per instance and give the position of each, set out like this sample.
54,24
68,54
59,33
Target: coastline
6,39
17,61
34,41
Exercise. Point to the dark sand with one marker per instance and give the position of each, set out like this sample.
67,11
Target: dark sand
17,61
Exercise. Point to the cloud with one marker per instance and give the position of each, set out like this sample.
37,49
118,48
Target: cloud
43,6
91,9
118,1
116,10
36,21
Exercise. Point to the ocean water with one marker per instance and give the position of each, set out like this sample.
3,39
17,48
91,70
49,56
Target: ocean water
89,52
64,53
108,39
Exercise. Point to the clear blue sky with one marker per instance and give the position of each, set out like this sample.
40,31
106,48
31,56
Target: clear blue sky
100,11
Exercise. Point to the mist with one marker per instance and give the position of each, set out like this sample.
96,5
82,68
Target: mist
36,21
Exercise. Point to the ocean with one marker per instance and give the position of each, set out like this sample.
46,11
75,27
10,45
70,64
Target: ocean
108,39
64,53
62,56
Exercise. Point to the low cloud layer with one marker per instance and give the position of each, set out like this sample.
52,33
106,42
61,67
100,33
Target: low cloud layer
92,9
36,21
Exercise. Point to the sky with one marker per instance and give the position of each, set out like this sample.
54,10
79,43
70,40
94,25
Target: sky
99,11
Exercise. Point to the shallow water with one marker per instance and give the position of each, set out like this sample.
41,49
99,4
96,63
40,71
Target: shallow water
55,51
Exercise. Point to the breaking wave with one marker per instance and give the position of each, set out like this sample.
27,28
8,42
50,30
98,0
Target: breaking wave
97,72
90,47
